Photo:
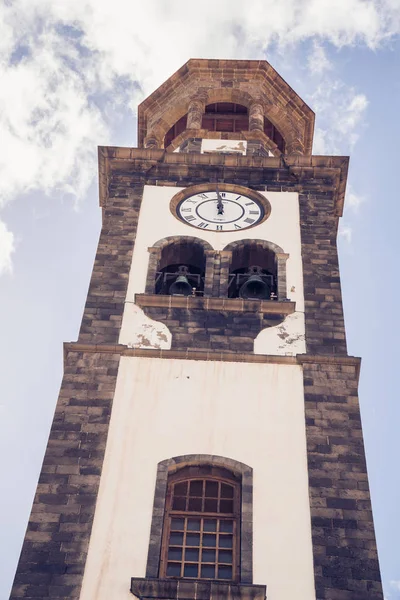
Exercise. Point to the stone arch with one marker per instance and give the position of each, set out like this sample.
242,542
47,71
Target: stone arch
168,119
234,95
181,238
280,256
156,253
169,466
180,109
263,243
159,129
285,124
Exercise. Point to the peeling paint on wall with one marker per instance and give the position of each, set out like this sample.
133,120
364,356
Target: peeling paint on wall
237,146
285,339
143,332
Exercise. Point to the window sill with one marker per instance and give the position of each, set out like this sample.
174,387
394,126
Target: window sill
268,307
185,589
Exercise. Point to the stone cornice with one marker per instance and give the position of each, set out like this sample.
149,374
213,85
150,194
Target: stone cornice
208,355
269,307
350,361
329,173
189,354
147,588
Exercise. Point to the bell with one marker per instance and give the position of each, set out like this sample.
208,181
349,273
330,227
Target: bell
256,288
181,286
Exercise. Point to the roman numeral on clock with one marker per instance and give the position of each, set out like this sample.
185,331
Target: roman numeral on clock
190,218
249,220
203,225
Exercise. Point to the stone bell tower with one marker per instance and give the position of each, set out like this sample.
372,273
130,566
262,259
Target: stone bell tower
207,440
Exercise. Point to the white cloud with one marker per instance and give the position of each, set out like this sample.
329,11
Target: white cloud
395,585
345,232
340,112
7,247
353,199
67,68
318,61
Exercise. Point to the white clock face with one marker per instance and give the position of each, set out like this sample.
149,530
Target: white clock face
220,210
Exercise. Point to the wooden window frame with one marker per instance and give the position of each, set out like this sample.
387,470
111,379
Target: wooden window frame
205,473
244,474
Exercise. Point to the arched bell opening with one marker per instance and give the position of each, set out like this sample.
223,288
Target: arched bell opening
225,117
181,269
253,273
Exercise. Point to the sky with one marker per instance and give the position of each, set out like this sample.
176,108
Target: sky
72,73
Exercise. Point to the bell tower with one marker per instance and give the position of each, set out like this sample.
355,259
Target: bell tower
207,440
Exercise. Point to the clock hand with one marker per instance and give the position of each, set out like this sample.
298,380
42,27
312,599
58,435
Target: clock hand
220,205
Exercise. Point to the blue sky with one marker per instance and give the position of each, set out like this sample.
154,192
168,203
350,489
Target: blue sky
72,75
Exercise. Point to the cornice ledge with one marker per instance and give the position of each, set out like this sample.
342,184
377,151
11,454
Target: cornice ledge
270,307
304,167
188,354
172,589
160,155
334,359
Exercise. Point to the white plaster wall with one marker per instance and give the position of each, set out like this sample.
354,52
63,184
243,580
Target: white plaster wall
282,228
253,413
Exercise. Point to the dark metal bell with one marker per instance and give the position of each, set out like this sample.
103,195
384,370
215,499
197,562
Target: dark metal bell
181,287
256,288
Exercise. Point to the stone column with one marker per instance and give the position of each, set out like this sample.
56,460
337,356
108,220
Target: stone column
256,117
281,274
154,259
211,256
195,114
226,259
295,146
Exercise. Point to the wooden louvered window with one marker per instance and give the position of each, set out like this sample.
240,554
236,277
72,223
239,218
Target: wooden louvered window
201,525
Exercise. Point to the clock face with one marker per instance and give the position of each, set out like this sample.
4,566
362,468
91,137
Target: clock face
220,210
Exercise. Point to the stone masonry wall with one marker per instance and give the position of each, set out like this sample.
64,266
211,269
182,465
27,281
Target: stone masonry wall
55,547
54,552
211,330
325,332
345,557
104,308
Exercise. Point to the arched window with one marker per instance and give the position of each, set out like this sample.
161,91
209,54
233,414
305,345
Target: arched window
213,494
201,525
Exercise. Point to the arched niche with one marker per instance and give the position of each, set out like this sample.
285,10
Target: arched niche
170,254
241,255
